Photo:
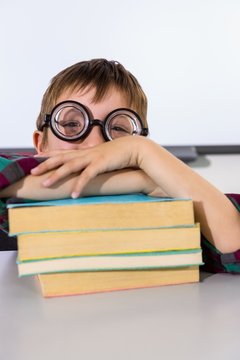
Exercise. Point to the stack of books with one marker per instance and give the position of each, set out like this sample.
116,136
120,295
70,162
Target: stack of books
106,243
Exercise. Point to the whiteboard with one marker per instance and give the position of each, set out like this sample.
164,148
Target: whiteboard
185,53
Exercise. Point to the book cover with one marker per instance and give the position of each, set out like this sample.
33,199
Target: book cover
99,199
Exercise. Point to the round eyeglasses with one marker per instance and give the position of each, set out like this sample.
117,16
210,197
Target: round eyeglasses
72,121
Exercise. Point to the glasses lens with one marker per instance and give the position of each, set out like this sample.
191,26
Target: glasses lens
123,123
70,121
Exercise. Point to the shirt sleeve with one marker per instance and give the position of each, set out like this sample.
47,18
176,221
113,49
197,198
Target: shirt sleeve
214,260
14,167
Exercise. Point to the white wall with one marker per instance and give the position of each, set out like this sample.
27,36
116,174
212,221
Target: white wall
186,54
220,170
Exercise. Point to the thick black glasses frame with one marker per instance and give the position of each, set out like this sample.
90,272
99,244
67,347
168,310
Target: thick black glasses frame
49,120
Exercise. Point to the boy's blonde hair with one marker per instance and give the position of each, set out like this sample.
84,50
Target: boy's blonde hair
100,74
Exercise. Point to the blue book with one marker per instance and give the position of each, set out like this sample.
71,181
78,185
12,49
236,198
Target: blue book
99,212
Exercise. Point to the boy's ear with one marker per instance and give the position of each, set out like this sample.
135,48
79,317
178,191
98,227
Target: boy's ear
38,140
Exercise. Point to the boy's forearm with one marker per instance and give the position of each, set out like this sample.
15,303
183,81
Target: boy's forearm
31,187
219,219
122,181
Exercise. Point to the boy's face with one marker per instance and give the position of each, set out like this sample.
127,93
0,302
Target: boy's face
113,100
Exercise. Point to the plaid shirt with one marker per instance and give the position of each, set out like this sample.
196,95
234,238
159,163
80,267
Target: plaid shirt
15,167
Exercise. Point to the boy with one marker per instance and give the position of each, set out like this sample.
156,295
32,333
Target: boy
91,139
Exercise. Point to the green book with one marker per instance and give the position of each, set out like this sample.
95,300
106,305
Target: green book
138,261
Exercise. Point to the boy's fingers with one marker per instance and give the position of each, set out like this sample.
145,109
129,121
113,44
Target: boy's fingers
71,167
47,165
38,170
59,174
52,153
85,177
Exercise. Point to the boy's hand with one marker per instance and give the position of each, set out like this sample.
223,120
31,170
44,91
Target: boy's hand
88,163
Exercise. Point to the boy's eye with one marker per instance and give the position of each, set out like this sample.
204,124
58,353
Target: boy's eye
69,123
120,128
120,125
69,127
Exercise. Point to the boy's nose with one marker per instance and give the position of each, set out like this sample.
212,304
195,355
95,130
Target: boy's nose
95,137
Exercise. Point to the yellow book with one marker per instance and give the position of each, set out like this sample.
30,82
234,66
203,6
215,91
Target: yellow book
99,212
76,283
75,243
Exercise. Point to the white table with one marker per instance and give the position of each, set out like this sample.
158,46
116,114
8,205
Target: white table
195,321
